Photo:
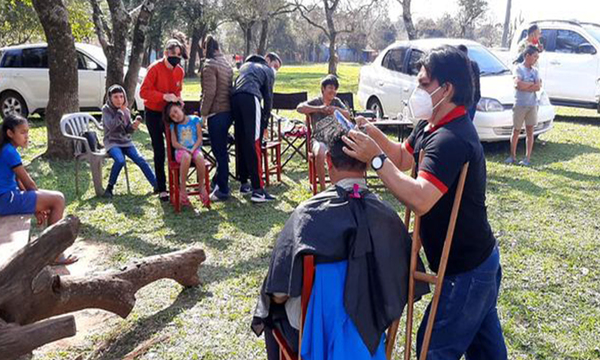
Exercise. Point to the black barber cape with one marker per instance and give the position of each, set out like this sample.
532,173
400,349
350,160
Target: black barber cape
366,231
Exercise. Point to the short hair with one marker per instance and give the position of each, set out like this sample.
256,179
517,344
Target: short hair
463,48
447,64
335,145
532,29
273,56
330,80
530,50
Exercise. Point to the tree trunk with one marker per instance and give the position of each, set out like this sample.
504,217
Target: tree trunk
194,50
247,39
137,48
264,35
30,291
506,29
64,80
407,17
332,55
120,20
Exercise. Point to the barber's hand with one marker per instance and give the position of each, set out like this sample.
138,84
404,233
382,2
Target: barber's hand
360,146
171,98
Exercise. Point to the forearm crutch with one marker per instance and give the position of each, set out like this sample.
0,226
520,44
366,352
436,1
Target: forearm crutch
436,280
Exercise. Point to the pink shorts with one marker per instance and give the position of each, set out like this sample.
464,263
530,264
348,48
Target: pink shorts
180,152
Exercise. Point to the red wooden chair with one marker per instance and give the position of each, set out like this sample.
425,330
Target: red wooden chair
174,190
271,148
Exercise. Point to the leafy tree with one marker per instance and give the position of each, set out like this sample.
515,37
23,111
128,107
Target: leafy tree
469,12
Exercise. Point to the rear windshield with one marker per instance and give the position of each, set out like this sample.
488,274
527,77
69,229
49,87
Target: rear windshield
488,63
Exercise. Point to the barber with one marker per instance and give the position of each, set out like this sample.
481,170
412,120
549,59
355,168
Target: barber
467,318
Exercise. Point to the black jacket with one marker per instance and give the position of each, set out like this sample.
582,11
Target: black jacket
334,227
256,78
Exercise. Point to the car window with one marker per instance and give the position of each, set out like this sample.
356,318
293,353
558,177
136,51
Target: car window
413,62
394,59
11,59
36,58
568,42
488,63
83,62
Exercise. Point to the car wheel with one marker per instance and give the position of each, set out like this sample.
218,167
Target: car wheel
375,106
12,103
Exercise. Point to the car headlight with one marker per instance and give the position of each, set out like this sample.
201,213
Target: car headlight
489,105
543,99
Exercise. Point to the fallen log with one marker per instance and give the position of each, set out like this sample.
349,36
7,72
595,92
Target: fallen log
30,291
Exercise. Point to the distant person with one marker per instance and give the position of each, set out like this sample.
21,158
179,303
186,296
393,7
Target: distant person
118,128
476,82
318,108
163,83
534,35
527,84
19,194
217,76
186,139
253,85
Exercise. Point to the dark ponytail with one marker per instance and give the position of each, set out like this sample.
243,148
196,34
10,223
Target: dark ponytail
210,45
11,122
167,111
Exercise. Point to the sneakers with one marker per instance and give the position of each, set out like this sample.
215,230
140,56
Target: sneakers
108,194
524,162
246,189
509,160
218,195
261,196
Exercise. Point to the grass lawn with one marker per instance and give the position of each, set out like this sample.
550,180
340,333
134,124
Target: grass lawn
545,218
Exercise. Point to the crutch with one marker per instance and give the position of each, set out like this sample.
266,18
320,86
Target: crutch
436,280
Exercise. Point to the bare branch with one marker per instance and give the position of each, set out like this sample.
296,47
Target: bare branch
302,9
102,29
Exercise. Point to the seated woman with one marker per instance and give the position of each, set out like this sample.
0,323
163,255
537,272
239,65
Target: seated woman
318,108
118,128
360,284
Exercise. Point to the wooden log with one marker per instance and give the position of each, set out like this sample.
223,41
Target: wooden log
18,340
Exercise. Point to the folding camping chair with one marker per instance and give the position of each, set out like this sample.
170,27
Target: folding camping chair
415,275
291,132
173,165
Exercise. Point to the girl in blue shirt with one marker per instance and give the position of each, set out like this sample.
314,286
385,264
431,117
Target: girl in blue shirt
186,139
19,194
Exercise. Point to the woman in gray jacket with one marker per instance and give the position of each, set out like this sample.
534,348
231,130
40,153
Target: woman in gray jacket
118,128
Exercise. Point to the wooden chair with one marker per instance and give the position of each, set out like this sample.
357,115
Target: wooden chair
415,275
73,126
271,147
173,165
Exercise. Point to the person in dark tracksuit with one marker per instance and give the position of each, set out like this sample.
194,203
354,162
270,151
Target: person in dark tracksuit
254,83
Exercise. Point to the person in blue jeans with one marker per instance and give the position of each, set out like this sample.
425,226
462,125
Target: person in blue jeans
467,321
118,128
19,194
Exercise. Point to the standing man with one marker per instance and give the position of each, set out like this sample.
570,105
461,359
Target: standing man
162,84
467,319
476,82
253,85
318,108
527,84
533,38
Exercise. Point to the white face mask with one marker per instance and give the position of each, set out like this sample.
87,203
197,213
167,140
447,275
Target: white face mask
420,104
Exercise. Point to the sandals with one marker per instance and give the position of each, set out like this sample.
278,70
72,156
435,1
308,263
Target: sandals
63,260
164,196
184,199
204,197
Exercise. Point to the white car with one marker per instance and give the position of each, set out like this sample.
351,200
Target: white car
25,80
570,63
387,83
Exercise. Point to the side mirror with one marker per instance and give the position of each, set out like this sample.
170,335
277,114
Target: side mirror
91,65
586,48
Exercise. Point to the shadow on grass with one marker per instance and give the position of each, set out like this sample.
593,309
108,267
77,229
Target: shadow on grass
581,120
215,274
544,152
146,328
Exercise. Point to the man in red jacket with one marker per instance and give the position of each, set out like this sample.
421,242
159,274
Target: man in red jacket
162,84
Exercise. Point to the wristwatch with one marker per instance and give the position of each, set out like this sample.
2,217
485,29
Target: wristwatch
378,161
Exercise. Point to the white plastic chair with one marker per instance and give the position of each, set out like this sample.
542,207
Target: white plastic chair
73,126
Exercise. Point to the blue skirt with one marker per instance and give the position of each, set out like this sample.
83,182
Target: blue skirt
329,333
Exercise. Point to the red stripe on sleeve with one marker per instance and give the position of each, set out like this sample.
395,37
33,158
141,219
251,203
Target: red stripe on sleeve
408,147
434,180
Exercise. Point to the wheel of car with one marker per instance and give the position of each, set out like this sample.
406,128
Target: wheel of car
375,106
11,102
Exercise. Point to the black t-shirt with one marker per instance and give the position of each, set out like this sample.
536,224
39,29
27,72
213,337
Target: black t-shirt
447,147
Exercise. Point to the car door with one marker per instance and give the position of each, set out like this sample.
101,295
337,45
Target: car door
35,76
91,85
547,39
569,73
392,80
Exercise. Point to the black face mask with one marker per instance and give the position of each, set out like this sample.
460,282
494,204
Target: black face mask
174,60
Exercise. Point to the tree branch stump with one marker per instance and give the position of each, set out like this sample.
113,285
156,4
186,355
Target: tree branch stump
30,291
